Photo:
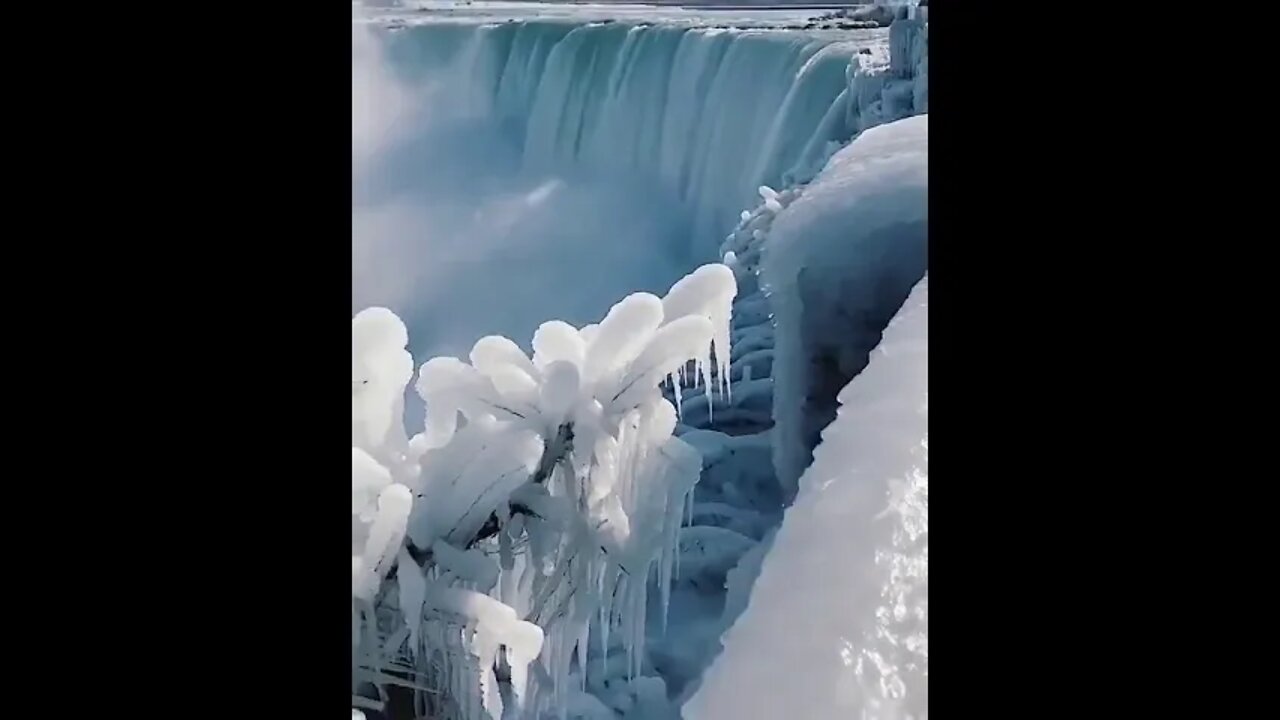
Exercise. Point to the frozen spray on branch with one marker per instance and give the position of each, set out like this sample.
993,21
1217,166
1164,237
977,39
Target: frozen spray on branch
529,514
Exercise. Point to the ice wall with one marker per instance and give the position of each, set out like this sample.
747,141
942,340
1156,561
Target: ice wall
876,93
736,485
708,114
838,264
837,624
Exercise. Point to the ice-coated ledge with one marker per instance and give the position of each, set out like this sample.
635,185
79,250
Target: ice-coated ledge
837,624
838,264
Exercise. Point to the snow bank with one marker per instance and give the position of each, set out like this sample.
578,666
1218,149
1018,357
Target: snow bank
837,625
838,264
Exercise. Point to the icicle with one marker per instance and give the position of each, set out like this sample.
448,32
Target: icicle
677,509
580,654
413,592
665,566
669,522
637,634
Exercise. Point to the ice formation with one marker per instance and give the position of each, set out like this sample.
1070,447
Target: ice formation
848,569
837,266
380,506
550,491
380,369
876,92
855,275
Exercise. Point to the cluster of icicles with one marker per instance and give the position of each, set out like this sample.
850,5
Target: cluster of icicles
528,517
743,246
742,250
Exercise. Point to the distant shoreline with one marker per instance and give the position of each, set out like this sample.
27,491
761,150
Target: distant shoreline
676,4
702,6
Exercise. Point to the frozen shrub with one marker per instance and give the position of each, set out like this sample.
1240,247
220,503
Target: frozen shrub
541,498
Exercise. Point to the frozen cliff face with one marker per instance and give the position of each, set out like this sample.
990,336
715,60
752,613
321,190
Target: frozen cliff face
837,265
821,269
837,623
881,93
733,490
882,87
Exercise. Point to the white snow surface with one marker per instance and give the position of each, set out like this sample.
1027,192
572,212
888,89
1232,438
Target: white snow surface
839,262
837,624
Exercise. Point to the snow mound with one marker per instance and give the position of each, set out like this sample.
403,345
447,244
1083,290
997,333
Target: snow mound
837,265
837,624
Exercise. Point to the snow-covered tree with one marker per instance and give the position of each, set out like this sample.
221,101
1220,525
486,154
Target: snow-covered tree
531,515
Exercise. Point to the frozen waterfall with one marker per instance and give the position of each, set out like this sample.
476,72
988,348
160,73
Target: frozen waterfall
707,114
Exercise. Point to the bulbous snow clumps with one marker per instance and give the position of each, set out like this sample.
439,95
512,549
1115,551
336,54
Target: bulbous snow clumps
586,376
380,507
381,367
581,434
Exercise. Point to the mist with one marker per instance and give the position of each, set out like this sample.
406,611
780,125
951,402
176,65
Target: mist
452,234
